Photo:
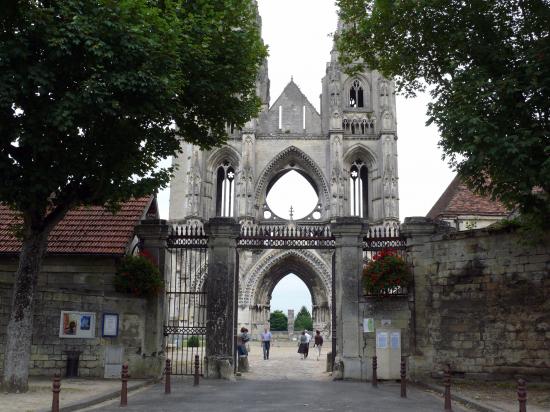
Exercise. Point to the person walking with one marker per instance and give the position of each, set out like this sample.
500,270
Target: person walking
242,340
266,342
302,345
318,343
308,338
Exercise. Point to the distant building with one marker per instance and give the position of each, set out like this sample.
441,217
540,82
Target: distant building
465,210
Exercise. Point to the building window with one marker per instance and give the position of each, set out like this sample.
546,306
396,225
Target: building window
356,94
359,184
225,190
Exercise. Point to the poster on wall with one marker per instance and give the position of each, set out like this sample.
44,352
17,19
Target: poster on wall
77,324
110,325
368,325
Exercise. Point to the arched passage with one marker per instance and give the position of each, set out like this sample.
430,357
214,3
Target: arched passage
257,284
295,159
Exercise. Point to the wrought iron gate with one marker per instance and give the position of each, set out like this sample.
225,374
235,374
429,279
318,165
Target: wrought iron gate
185,320
292,236
187,247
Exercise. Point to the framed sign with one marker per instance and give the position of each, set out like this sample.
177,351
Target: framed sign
110,325
368,325
77,324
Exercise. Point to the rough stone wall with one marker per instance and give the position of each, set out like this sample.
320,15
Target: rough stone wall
78,284
482,304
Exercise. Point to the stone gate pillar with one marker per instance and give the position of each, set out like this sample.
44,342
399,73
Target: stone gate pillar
152,235
348,232
221,296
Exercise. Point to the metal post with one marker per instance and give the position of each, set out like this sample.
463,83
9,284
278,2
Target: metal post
522,395
374,373
196,380
167,374
403,378
124,390
56,388
447,383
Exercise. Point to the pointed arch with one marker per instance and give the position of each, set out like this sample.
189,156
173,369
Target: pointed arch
223,165
365,85
361,165
264,275
360,151
225,153
292,158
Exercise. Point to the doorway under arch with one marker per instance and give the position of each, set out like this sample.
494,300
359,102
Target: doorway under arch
259,281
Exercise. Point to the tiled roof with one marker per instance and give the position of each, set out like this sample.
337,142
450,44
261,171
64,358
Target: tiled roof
457,199
86,230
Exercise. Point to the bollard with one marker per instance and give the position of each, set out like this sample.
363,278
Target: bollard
56,388
196,380
124,390
522,395
167,374
403,378
447,383
374,373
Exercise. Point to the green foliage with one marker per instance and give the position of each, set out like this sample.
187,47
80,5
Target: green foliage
486,66
193,342
303,320
138,276
93,94
90,92
386,271
278,321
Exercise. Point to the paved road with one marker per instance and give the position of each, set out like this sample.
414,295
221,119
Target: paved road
281,395
282,383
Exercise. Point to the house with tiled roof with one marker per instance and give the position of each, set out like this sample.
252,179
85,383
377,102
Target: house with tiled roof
465,210
76,286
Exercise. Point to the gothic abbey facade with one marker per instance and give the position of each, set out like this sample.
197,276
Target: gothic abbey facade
348,152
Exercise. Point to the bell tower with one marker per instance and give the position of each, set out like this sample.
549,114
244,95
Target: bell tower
358,114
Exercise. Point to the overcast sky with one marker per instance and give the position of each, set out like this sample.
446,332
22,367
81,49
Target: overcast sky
298,35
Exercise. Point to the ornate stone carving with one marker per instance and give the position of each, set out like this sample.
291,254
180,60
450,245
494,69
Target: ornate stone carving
251,283
279,162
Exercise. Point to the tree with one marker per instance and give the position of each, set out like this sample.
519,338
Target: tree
92,95
303,320
486,66
278,321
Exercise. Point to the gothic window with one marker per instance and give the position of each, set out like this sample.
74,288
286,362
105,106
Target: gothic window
225,190
356,94
358,181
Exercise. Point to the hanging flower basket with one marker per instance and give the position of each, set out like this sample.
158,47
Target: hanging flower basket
138,276
387,274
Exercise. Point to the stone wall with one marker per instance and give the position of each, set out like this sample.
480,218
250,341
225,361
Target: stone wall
482,304
80,284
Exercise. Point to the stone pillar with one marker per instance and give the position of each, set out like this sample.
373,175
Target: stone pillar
221,296
152,235
348,232
290,323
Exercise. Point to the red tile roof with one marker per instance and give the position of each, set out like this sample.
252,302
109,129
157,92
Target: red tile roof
457,199
85,230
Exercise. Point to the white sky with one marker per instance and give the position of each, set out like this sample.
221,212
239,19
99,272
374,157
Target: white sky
298,35
290,293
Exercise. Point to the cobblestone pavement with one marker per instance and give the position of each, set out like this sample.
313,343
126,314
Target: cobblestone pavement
284,363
